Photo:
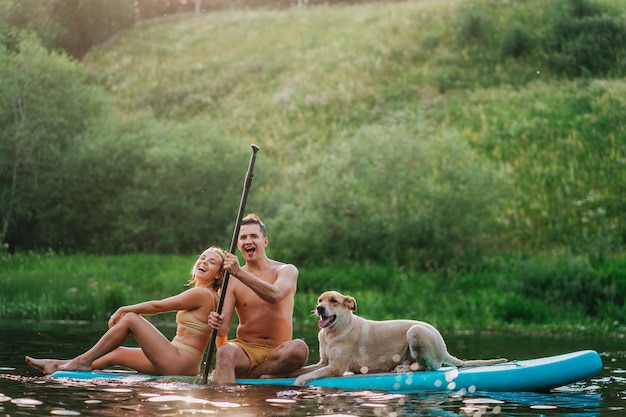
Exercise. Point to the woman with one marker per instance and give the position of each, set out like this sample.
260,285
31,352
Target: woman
156,354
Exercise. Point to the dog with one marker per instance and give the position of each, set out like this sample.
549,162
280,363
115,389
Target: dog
349,343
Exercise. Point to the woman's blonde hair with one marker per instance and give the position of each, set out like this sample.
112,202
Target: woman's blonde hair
217,284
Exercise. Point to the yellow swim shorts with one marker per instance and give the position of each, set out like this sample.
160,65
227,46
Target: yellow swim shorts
257,353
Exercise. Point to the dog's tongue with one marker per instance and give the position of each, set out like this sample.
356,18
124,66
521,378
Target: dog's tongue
323,322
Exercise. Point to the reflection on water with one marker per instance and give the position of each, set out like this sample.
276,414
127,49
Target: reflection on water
44,396
25,392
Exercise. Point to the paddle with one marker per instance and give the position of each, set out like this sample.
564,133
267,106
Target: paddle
233,247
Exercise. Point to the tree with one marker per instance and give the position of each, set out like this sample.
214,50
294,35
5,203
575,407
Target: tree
45,103
73,26
87,23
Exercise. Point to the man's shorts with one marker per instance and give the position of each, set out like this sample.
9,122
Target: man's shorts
257,353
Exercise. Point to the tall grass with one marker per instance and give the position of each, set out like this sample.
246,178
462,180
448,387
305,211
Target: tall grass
85,287
507,294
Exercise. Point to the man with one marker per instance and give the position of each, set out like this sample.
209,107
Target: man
262,293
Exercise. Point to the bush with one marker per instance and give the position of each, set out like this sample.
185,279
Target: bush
517,308
46,104
587,45
563,281
72,26
517,42
432,209
574,37
342,277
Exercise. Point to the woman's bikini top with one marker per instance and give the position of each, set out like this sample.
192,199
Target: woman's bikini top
186,319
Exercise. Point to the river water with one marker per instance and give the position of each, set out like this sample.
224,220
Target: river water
24,392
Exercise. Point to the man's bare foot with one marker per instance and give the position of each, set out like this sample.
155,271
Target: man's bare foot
47,366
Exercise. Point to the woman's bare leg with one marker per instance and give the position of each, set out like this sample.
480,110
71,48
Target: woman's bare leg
112,339
128,357
123,356
156,352
156,356
108,348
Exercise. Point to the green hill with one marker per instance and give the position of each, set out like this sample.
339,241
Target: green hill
428,135
422,130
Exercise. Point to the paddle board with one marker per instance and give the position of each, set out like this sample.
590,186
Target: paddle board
102,374
532,375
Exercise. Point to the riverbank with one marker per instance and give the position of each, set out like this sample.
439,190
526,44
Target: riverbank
515,294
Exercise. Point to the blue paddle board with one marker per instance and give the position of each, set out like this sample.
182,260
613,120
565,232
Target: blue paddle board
532,375
102,374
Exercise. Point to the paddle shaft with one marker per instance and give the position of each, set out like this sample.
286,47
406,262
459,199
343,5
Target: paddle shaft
233,248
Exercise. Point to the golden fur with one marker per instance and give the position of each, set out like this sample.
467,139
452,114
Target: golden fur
349,343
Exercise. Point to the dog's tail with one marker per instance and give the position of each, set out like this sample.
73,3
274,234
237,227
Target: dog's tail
451,360
482,362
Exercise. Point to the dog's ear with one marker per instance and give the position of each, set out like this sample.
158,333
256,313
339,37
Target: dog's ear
350,303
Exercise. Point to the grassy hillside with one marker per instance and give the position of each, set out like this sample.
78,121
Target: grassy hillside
272,72
478,125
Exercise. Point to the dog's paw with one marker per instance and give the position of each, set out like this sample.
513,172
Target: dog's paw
404,368
400,369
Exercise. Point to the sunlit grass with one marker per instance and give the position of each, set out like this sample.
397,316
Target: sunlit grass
296,66
85,287
80,287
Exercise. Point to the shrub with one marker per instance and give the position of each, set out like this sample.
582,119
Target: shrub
516,42
588,46
574,37
516,308
565,281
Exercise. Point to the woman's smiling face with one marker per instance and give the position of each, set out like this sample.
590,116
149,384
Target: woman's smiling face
208,265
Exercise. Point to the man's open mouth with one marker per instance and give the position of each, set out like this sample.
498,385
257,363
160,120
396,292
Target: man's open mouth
326,321
250,250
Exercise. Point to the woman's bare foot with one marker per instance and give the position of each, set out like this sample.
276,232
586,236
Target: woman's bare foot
75,365
47,366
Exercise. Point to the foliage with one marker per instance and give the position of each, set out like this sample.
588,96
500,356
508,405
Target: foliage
565,150
72,26
37,130
170,196
86,23
514,293
85,287
569,38
73,179
587,40
417,207
417,135
561,281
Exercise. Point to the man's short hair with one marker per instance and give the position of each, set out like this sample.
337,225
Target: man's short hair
254,219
